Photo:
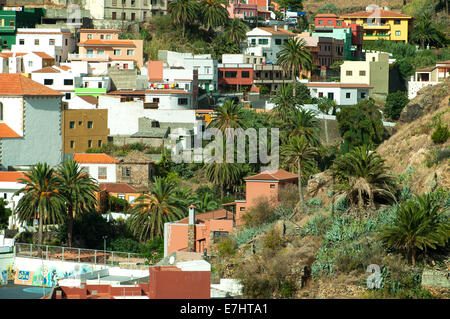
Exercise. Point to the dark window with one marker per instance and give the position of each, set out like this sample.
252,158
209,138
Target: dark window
245,74
48,81
241,208
272,185
156,99
68,96
182,101
278,41
220,74
21,41
133,16
1,111
68,82
230,74
330,95
89,143
90,124
99,144
126,171
114,15
320,94
363,95
72,124
72,144
347,95
396,21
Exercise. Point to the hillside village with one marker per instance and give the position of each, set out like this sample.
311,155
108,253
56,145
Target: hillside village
115,117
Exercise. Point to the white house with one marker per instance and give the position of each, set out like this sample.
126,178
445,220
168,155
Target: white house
267,42
99,166
9,184
428,76
24,62
341,93
57,42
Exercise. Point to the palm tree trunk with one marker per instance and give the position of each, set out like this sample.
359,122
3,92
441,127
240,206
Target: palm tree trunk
293,83
184,29
41,229
300,193
69,225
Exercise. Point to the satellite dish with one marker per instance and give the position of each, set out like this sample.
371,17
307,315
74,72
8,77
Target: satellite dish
171,260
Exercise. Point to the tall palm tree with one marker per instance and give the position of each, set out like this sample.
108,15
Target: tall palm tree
294,57
284,103
42,198
183,12
304,122
425,32
226,175
214,13
229,115
206,202
299,155
157,205
363,176
419,224
79,191
236,30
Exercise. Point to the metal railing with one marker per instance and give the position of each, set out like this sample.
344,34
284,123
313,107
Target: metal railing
76,254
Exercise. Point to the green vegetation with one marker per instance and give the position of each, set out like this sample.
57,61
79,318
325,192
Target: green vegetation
395,102
4,213
440,134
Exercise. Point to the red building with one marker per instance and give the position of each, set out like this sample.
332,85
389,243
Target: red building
233,76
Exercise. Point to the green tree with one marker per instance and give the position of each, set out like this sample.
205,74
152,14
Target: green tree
360,124
42,199
4,213
214,13
326,104
362,175
395,102
79,192
235,30
222,45
183,12
206,202
284,103
420,223
299,156
304,122
229,115
156,206
294,57
425,32
225,175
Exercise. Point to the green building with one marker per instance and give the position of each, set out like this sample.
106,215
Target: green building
338,34
12,18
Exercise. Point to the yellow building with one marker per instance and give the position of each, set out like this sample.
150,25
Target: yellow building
381,24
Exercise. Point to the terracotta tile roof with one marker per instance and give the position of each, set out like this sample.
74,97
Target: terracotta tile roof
99,30
44,55
64,67
89,98
11,176
383,14
338,85
279,31
94,158
278,175
214,214
426,69
326,15
117,188
19,85
47,69
7,132
10,54
127,43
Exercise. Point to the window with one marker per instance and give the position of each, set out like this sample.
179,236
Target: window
101,52
30,63
126,171
102,172
89,36
348,73
90,124
114,3
102,36
396,21
80,123
90,52
133,16
71,124
117,52
245,74
131,199
330,95
89,143
362,73
51,41
182,101
320,21
121,196
398,33
114,15
230,74
272,185
347,95
48,81
253,41
36,41
329,22
72,144
99,85
320,94
263,41
241,208
155,100
68,81
130,52
124,15
68,96
363,95
21,41
133,3
108,37
220,74
99,144
278,41
145,15
66,42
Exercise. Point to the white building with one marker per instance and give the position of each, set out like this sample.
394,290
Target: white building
57,42
99,166
9,184
342,93
428,76
23,62
267,42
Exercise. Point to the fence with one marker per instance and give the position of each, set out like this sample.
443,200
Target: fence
76,254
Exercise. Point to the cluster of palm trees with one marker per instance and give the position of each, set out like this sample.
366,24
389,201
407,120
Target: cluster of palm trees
211,14
55,195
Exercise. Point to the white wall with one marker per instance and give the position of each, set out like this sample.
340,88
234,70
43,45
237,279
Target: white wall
415,86
110,172
13,113
170,101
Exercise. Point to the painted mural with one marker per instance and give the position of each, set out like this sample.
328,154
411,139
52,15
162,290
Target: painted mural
7,275
47,276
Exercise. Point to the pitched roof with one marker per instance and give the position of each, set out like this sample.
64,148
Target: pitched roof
279,31
7,132
44,55
117,188
99,30
214,214
89,99
94,158
338,85
127,43
10,54
47,69
383,14
11,176
19,85
279,175
326,15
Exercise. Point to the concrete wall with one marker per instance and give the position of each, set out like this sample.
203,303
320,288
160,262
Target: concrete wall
42,141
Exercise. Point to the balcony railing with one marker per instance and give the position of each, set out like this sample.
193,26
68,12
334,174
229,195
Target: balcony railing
76,56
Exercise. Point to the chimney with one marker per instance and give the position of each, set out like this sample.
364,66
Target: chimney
191,229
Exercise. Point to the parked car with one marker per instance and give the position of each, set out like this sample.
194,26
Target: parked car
221,100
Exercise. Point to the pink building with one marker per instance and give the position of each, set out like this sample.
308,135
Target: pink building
251,9
103,45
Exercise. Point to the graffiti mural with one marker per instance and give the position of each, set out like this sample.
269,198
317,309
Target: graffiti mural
48,276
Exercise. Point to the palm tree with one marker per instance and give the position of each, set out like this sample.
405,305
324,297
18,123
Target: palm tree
78,190
226,175
299,156
183,12
157,205
419,224
426,33
304,122
206,202
214,13
42,198
294,57
236,30
284,103
229,115
363,176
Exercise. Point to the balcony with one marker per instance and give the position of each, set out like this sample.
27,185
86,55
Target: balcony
7,28
94,57
376,36
377,26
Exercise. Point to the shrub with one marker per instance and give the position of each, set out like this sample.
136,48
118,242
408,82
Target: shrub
226,248
261,213
440,134
395,102
125,245
273,240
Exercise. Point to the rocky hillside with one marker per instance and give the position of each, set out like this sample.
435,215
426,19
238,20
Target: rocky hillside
411,150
